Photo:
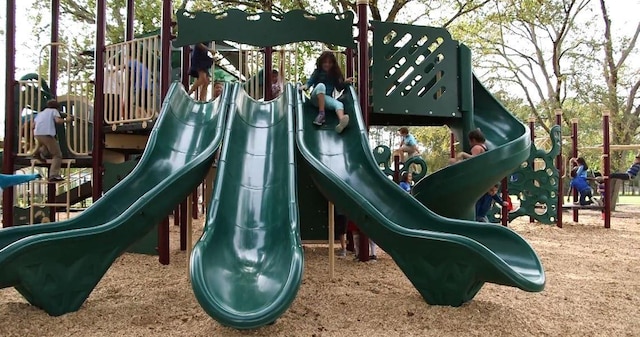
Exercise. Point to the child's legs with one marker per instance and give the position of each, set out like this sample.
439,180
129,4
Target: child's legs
372,247
482,219
203,77
583,197
356,242
318,96
619,175
331,103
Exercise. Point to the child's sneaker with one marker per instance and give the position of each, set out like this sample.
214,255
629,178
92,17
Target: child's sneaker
319,119
344,121
342,253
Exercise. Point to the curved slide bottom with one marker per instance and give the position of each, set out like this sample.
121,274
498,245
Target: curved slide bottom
247,266
57,270
447,260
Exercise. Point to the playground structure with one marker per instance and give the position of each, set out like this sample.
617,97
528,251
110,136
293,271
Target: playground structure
274,176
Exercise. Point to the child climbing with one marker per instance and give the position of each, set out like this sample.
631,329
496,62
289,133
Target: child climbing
477,142
201,62
484,204
579,182
631,173
45,134
325,79
405,181
408,145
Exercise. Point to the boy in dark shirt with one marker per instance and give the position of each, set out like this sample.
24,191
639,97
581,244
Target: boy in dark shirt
631,173
486,201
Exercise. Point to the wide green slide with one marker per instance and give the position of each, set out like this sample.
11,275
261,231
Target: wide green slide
247,266
56,266
447,260
459,186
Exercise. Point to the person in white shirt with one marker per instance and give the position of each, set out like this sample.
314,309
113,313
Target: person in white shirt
45,133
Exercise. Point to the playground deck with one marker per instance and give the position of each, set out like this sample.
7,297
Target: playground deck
139,297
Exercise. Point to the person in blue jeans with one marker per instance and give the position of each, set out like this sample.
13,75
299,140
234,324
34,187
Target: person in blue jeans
408,145
579,181
631,173
484,204
325,79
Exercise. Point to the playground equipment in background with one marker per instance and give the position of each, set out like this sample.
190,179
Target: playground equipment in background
416,165
447,260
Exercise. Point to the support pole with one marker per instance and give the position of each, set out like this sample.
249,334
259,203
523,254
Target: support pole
189,235
607,168
574,154
532,133
165,37
131,18
53,59
98,106
349,55
194,204
268,73
560,174
363,59
186,63
163,241
176,216
10,112
504,219
363,92
184,209
452,146
396,169
332,239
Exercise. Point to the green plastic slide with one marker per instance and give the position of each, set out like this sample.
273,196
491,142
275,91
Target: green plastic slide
459,186
247,266
447,260
56,266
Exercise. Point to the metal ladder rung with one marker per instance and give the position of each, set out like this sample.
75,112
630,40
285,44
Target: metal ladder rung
50,204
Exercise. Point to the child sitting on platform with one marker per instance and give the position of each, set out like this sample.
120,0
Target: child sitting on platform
477,142
631,173
325,78
484,204
579,181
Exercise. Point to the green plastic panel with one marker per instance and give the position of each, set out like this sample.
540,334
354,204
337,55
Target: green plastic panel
415,70
247,267
447,260
312,205
453,191
264,29
55,266
417,165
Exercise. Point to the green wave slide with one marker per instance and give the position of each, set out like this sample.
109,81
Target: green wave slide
247,266
55,266
459,186
447,260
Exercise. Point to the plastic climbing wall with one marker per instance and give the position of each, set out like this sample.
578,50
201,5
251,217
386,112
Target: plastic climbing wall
415,70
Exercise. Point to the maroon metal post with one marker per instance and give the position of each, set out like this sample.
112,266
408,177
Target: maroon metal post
396,169
349,55
607,168
452,146
165,37
176,216
532,133
505,196
163,241
574,154
98,103
131,17
560,174
363,90
363,59
51,198
194,204
186,63
268,73
53,60
183,225
10,112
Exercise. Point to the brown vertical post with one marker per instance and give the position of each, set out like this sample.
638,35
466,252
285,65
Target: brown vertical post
505,196
53,60
607,168
165,38
452,146
194,204
560,174
349,55
532,133
163,241
10,112
186,63
268,73
176,216
131,17
98,106
183,225
574,154
396,169
51,198
363,91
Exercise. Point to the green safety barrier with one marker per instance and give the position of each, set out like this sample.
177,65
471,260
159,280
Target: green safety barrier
416,165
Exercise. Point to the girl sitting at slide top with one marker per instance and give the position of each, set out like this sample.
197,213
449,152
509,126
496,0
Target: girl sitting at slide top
477,142
325,78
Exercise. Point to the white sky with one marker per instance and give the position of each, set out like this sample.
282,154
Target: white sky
624,15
